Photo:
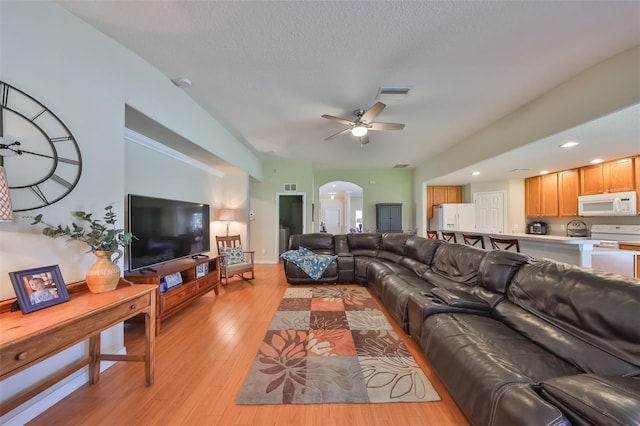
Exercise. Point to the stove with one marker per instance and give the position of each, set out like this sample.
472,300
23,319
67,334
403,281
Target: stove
611,235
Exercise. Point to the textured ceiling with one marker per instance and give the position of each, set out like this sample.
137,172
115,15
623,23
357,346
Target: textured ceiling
267,70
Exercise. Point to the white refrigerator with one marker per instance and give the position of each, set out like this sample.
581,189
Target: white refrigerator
454,217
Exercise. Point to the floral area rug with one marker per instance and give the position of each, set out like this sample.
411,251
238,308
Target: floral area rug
333,345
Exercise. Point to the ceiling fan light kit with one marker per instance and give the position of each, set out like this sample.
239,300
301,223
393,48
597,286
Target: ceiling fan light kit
359,131
363,123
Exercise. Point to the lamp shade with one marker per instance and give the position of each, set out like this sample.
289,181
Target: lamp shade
6,210
225,214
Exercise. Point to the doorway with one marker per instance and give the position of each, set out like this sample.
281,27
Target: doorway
291,211
341,206
490,208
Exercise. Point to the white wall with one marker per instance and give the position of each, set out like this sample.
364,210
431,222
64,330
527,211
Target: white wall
86,79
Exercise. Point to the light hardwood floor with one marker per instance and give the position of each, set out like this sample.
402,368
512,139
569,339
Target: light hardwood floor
202,357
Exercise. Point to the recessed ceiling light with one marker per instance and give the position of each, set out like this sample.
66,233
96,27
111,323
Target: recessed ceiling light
182,82
596,161
476,173
544,172
569,144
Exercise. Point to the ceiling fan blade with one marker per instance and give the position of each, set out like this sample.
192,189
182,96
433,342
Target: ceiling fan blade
335,135
372,112
363,140
385,126
339,120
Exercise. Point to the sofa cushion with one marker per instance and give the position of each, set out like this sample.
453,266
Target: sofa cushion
319,242
455,264
476,356
394,243
311,263
567,310
596,400
232,255
364,244
497,269
422,249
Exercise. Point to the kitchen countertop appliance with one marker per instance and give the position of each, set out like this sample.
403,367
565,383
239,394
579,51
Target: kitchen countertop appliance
539,228
576,228
610,236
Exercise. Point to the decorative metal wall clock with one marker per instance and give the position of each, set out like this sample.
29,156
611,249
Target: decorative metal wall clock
39,153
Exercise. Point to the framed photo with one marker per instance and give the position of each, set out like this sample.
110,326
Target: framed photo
39,288
173,280
202,270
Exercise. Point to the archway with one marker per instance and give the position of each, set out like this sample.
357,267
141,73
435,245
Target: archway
340,208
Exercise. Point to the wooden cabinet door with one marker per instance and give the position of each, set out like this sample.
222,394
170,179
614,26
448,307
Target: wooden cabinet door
568,191
591,180
454,194
549,195
439,195
619,175
429,202
532,187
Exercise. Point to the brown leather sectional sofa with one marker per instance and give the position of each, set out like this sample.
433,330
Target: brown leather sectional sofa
515,340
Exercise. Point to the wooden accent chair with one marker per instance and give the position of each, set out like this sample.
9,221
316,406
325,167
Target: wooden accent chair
473,240
433,235
449,236
505,243
234,260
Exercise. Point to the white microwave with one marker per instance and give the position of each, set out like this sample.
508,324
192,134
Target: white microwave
612,204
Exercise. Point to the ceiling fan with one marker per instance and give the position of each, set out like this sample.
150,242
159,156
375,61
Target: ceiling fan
363,123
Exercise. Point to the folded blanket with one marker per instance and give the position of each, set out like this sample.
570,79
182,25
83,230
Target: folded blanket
311,263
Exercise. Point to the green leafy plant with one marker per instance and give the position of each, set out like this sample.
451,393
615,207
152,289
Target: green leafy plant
97,234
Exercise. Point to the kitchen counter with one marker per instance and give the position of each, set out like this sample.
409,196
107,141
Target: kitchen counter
621,262
581,251
573,250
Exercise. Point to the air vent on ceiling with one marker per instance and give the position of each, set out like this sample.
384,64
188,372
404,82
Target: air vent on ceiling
519,169
400,166
290,187
392,93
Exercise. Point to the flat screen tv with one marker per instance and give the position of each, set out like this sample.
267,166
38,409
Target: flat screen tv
165,230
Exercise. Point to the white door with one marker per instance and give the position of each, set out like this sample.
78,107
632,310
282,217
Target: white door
333,222
490,209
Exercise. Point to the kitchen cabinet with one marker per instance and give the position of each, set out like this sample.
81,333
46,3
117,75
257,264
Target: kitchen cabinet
541,196
613,176
633,247
441,194
568,191
389,217
636,162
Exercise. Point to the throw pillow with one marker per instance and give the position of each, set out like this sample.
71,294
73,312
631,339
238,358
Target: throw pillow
232,255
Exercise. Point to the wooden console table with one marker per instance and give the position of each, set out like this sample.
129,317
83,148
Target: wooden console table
28,339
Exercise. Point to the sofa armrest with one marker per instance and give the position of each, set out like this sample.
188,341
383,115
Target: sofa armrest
460,299
595,399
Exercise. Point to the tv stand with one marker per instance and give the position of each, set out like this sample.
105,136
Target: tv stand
199,276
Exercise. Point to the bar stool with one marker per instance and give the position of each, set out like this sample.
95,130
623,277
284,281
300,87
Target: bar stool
449,236
472,240
504,243
432,235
